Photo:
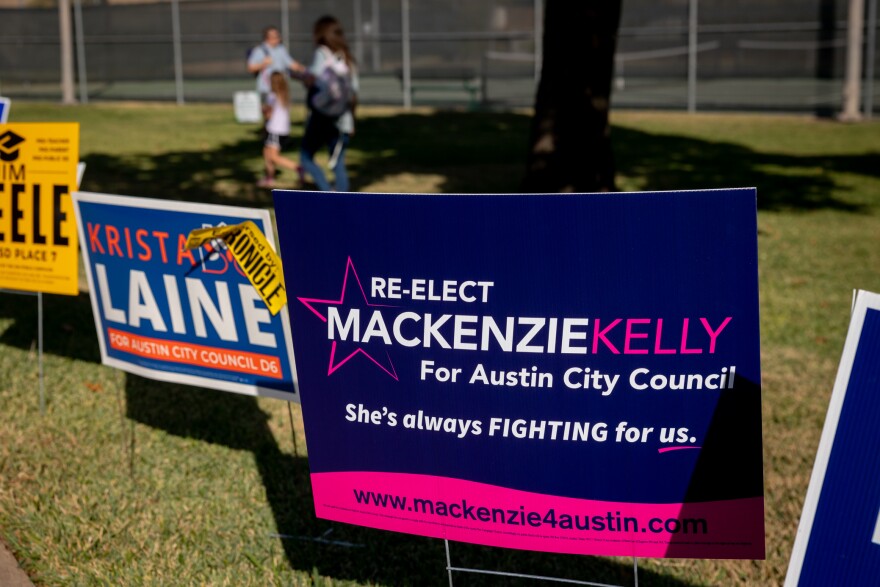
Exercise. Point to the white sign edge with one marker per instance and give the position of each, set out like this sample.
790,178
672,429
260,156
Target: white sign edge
863,300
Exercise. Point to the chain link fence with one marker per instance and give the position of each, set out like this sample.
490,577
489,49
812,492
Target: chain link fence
786,55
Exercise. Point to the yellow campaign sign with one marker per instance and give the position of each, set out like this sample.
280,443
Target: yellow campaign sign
38,238
253,254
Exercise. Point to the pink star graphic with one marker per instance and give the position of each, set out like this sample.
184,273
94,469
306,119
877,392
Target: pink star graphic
307,302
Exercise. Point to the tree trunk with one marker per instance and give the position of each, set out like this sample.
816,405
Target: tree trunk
570,143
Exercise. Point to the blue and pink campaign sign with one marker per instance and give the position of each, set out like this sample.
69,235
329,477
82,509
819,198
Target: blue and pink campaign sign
838,539
568,373
172,314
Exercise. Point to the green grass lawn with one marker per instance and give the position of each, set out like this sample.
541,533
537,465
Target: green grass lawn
130,481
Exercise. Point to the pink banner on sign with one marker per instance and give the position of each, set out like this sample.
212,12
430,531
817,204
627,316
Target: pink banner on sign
466,511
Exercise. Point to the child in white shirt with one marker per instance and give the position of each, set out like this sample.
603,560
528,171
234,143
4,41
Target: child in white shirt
277,114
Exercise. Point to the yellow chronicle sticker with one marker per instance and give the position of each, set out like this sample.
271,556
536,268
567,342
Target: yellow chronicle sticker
254,255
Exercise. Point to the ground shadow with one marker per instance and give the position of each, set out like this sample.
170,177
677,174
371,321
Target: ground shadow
68,324
226,174
472,152
483,152
237,422
784,182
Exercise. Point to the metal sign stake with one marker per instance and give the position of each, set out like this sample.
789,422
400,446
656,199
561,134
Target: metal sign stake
292,430
450,569
40,351
41,379
448,562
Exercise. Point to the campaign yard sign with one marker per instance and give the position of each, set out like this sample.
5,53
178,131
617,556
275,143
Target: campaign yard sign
838,539
169,313
5,104
38,250
568,373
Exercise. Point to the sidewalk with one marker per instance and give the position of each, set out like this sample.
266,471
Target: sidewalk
11,575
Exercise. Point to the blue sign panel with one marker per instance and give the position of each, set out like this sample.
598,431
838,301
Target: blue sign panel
838,540
571,373
188,316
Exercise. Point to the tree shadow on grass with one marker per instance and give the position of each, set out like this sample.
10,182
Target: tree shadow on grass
784,182
223,175
237,422
469,152
484,152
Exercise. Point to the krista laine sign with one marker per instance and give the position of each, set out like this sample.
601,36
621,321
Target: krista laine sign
568,373
170,313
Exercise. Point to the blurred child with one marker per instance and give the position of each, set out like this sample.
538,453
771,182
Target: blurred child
277,114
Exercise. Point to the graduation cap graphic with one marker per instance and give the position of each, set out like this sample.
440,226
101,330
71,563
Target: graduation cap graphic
9,142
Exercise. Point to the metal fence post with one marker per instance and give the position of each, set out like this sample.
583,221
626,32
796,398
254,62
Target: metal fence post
79,32
358,32
285,24
178,54
692,57
404,39
376,29
539,38
67,95
852,88
870,49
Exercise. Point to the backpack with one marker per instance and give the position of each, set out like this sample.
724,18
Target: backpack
333,90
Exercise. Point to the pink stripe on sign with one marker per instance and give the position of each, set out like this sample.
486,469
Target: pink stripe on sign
478,513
